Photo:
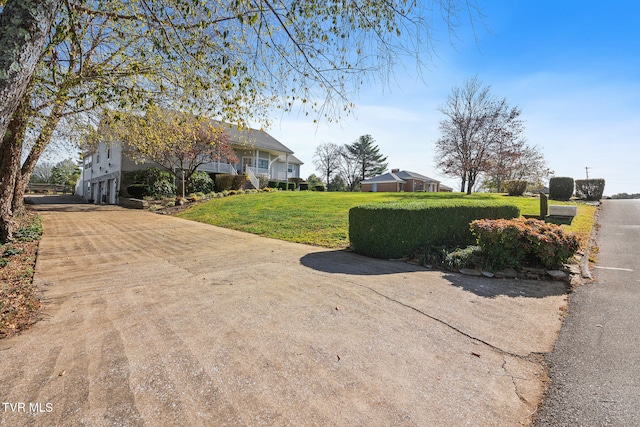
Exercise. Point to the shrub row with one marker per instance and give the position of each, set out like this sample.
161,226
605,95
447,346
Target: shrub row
520,241
395,230
227,182
290,186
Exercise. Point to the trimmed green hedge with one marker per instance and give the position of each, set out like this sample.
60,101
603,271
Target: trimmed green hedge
138,191
395,230
228,182
590,189
515,187
560,188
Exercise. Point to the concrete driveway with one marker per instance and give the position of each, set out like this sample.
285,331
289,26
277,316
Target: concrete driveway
154,320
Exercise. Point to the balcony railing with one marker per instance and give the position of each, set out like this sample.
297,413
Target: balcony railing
258,171
218,168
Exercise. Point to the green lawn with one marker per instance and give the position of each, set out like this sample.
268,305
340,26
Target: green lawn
321,219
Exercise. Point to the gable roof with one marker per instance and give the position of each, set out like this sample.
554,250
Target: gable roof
253,138
384,178
294,160
413,175
400,177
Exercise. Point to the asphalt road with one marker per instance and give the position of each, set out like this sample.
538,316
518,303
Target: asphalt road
595,366
158,321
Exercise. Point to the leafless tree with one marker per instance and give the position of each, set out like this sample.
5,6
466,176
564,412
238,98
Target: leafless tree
349,168
327,160
475,125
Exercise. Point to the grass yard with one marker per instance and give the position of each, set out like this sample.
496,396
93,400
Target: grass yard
322,219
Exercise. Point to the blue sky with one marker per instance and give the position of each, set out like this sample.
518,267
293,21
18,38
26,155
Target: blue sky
573,67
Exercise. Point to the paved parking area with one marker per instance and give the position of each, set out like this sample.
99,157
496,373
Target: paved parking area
154,320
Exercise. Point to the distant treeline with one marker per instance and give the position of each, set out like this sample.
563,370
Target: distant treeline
626,196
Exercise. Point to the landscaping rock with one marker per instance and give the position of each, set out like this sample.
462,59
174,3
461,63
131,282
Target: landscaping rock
532,270
508,273
557,274
470,272
488,274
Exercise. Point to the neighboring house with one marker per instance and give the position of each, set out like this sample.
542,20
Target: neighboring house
258,153
397,181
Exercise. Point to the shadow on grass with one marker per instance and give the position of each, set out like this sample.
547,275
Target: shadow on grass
345,262
493,287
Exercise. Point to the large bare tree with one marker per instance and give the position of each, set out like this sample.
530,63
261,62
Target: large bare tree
326,159
475,126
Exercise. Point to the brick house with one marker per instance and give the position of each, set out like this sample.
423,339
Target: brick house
401,181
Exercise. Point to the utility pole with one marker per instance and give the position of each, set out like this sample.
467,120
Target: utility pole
586,168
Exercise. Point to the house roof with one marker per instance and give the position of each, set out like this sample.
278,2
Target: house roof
445,187
413,175
294,160
401,177
383,179
253,138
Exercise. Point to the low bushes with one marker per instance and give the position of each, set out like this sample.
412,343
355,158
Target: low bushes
560,188
395,230
515,187
138,191
516,242
200,182
149,182
227,182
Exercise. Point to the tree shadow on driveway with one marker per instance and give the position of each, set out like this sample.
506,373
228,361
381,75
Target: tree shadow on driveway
345,262
493,287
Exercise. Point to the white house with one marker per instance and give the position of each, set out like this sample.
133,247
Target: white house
258,153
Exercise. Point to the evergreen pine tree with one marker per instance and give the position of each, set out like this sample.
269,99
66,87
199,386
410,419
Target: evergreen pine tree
371,162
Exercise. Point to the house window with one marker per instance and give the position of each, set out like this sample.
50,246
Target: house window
290,168
98,158
108,153
263,164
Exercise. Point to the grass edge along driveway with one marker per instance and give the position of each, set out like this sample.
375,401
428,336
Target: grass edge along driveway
322,218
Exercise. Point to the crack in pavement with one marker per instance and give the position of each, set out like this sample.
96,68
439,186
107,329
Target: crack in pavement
513,381
498,349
